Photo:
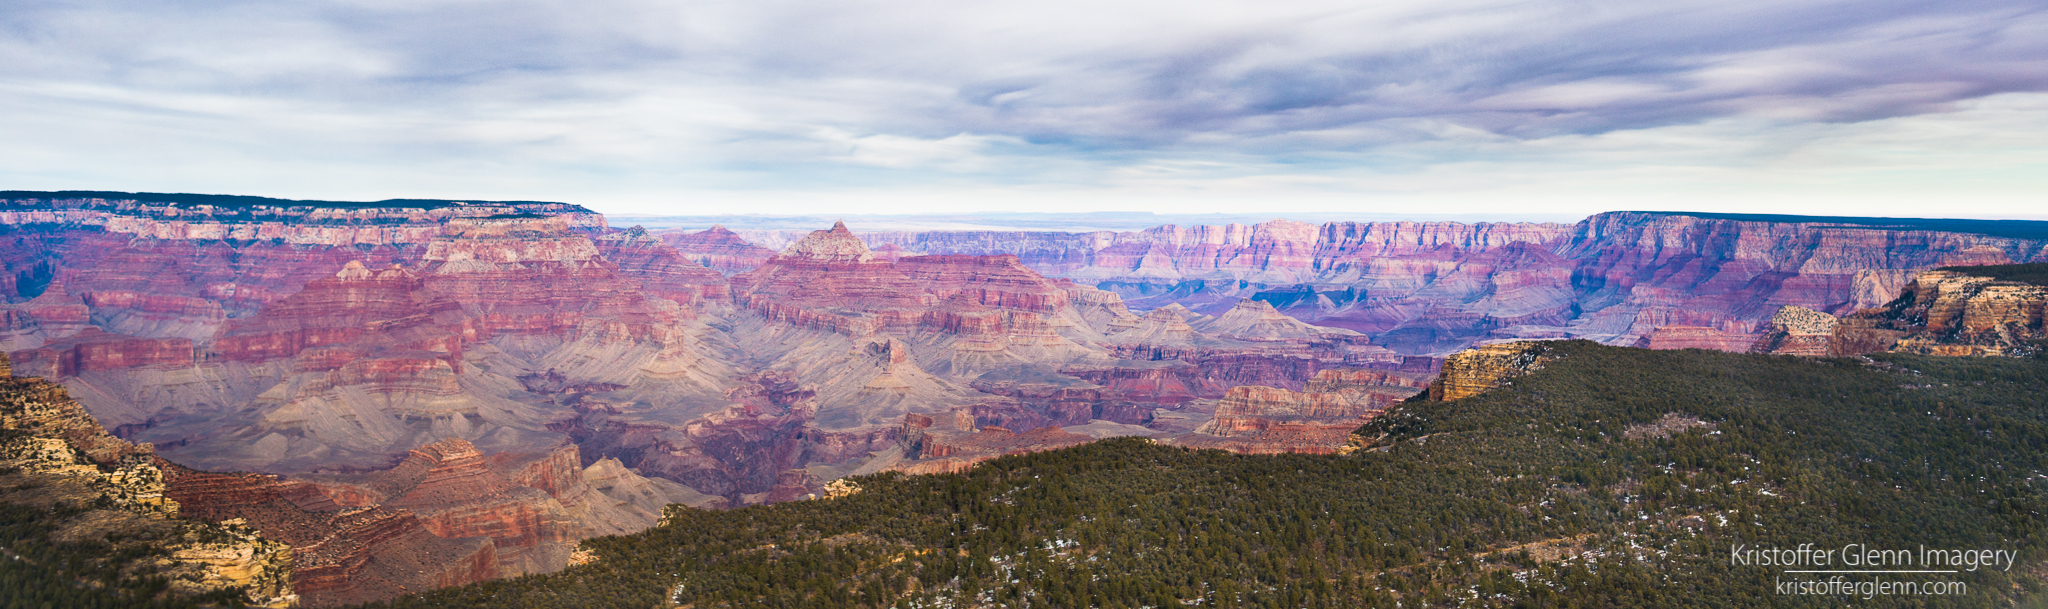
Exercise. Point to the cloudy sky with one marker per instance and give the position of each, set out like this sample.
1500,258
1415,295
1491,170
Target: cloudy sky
1873,107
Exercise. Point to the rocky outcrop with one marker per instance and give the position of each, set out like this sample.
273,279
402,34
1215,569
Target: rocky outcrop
954,445
453,491
1952,313
341,554
719,249
1696,337
445,515
1320,419
1797,331
662,270
53,453
1474,371
95,349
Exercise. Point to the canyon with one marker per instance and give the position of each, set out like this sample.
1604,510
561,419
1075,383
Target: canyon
1434,288
1956,312
414,393
56,459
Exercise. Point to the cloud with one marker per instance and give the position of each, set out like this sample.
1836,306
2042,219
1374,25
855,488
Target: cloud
637,100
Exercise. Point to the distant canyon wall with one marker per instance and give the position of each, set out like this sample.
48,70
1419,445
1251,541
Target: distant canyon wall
1629,278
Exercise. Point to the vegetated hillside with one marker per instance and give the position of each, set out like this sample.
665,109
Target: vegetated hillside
37,570
2035,273
1554,491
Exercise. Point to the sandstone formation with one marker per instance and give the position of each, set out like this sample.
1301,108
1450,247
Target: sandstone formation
719,249
445,515
1696,337
662,270
1952,313
1474,371
1320,419
341,554
1797,331
95,349
55,454
366,362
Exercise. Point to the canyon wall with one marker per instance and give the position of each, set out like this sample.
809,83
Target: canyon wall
55,457
485,383
1433,288
1950,312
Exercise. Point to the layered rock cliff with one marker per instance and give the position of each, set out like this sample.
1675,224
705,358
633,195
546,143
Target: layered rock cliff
1434,288
719,249
91,491
1953,312
1319,419
237,218
662,270
1473,371
1797,331
158,266
445,515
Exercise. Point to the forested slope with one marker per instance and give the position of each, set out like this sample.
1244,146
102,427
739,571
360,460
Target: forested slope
1590,483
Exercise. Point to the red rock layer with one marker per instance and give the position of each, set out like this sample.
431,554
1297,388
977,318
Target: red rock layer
1695,337
532,276
948,450
376,554
1950,313
1438,287
831,281
94,349
660,269
1266,420
719,249
455,493
157,269
51,315
341,555
349,315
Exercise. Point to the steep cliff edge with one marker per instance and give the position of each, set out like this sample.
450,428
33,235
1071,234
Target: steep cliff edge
1319,419
1797,331
82,505
446,515
159,266
1473,371
1956,311
342,554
